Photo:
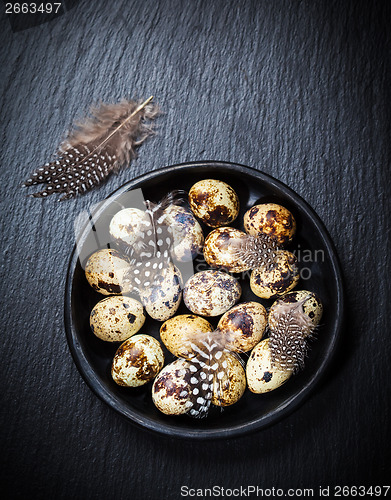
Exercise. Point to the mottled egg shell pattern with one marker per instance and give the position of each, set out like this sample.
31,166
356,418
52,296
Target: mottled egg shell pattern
175,332
245,324
171,388
137,361
231,387
127,225
105,271
211,293
188,237
261,375
214,202
220,249
115,319
312,307
162,298
281,279
271,219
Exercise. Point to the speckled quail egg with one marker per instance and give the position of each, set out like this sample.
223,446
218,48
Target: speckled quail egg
228,389
271,219
175,331
161,298
277,281
312,307
261,375
211,293
115,319
105,271
137,361
127,225
245,325
221,249
214,202
188,237
171,388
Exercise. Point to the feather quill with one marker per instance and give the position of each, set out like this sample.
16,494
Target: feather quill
96,147
288,337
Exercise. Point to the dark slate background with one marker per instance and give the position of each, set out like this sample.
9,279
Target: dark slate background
298,89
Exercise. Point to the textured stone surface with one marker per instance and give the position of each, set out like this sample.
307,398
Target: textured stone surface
299,90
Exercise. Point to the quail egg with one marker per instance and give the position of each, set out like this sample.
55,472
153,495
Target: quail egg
127,225
261,375
220,249
281,279
271,219
214,202
312,306
188,237
171,388
245,325
175,331
211,293
137,361
229,387
161,298
115,319
105,272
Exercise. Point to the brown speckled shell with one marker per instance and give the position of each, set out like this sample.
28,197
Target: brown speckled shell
105,271
211,293
174,332
219,251
137,361
115,319
246,323
261,375
233,385
187,233
271,219
312,307
171,388
280,280
162,300
214,202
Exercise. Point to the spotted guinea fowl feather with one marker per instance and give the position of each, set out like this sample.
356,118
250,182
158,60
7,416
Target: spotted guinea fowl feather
95,148
156,211
256,251
150,254
208,368
289,334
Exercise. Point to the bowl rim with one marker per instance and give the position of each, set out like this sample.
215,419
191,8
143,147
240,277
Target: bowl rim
292,403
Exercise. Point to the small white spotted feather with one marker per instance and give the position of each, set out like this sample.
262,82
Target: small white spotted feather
288,337
256,251
150,254
96,147
208,367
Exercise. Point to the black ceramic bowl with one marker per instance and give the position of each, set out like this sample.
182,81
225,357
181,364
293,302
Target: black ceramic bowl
321,274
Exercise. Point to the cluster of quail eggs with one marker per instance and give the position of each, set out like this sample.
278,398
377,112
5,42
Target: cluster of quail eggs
207,294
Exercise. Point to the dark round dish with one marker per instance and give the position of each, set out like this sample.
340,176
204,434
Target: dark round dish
316,254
